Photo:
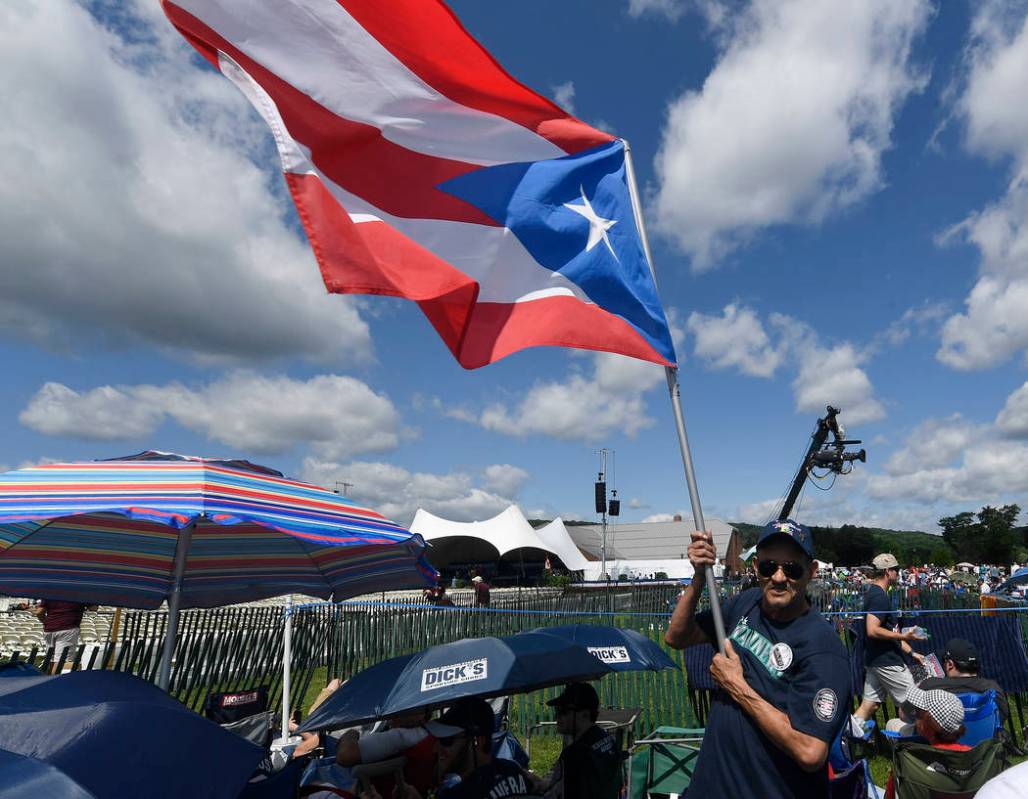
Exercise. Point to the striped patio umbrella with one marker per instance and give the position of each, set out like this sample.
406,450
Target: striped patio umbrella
139,530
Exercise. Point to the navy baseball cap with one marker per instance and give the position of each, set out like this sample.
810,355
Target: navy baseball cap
796,532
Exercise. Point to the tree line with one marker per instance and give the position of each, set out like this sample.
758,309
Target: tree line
990,535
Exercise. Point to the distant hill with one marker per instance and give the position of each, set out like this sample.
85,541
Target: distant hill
852,545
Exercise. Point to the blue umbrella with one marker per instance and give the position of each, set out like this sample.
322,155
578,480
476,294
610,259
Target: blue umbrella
1016,580
114,734
440,675
27,778
622,650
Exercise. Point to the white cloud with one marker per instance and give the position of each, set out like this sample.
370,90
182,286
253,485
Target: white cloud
933,444
758,512
662,517
564,96
672,9
106,413
735,339
504,478
336,416
994,327
130,210
950,460
791,124
824,374
398,493
919,320
834,377
1013,419
582,408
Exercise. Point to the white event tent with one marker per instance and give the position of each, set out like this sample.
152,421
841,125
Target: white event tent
494,538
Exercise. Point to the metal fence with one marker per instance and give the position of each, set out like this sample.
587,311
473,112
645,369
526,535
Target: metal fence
239,648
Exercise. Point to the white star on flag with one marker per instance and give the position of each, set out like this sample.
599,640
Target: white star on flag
598,226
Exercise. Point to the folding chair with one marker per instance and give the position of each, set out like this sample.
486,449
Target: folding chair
981,717
662,763
924,772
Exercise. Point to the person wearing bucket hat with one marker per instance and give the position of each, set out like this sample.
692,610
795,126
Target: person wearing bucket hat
589,766
939,720
783,682
885,671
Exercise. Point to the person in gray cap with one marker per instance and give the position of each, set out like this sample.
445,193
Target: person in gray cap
886,673
783,682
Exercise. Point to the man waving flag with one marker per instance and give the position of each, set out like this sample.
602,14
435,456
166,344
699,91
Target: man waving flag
421,169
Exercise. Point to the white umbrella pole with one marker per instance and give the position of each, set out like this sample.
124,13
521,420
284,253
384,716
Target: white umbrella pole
185,538
287,652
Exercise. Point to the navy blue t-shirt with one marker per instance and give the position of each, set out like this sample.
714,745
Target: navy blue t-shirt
799,667
880,653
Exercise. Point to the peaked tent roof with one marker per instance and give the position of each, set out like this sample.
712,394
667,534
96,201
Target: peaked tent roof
504,533
558,541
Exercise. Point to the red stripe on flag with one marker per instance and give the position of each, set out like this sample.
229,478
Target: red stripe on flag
353,155
497,330
374,258
429,39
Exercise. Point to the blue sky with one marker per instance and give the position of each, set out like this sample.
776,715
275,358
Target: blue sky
838,208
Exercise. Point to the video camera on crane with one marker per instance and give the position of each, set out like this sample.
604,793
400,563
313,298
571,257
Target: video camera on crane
824,454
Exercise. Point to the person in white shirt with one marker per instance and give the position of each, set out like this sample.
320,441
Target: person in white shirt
1009,784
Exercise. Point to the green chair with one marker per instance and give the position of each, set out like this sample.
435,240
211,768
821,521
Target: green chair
662,763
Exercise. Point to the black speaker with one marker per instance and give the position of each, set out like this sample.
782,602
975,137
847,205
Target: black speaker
601,496
615,507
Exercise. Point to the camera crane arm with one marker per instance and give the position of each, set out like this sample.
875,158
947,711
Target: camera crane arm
822,453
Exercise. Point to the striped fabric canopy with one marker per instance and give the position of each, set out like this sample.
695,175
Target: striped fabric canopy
106,532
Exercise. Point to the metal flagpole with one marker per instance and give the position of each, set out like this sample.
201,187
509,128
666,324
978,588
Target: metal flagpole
287,656
675,394
185,538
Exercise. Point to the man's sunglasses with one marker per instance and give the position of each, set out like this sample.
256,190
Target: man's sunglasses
791,569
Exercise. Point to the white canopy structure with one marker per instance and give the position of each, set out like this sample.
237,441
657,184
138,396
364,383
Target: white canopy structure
557,540
493,538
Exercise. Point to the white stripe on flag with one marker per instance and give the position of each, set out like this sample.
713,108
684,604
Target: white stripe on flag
492,256
318,48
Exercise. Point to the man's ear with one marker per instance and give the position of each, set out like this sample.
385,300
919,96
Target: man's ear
813,567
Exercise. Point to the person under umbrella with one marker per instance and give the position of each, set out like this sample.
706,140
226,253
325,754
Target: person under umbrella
469,771
589,766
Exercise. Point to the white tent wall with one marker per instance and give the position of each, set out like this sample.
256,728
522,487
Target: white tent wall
641,569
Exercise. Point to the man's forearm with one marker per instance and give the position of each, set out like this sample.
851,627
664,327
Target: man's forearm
809,752
682,631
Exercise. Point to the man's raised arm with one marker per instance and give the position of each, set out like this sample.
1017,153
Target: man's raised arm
683,631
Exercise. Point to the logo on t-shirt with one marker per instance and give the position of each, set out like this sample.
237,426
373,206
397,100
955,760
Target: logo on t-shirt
825,704
781,656
442,676
611,654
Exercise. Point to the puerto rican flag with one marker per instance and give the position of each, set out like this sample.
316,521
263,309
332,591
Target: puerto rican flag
421,169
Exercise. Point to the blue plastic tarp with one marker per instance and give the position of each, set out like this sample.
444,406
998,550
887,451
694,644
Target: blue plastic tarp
114,734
